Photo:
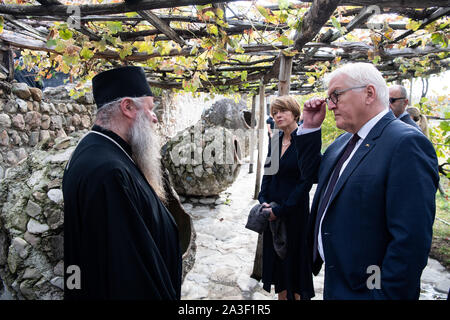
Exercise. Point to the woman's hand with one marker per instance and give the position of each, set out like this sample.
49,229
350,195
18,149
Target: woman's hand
265,205
272,217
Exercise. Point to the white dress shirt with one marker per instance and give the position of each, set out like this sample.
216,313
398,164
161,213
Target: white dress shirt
362,133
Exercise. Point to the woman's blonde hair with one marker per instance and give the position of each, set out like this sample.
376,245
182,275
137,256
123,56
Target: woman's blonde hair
286,103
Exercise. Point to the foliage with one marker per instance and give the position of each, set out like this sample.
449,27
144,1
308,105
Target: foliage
77,54
438,106
440,247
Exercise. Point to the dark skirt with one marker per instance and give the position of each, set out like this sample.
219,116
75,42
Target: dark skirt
293,273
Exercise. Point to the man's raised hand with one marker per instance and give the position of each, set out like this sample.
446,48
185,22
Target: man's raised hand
314,111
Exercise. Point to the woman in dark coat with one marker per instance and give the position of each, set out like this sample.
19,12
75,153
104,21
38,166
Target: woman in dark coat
289,188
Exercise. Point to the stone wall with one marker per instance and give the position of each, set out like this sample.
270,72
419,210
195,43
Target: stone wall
29,117
31,223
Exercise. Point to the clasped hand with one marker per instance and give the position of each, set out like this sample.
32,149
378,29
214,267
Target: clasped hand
267,206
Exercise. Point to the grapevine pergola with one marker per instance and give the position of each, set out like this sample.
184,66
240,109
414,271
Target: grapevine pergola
229,46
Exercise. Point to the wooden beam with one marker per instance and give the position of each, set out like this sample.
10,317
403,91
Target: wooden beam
440,12
261,132
102,9
161,26
83,29
284,75
24,43
318,14
36,34
252,134
393,3
190,34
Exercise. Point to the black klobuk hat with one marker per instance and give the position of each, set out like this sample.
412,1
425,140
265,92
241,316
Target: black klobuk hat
117,83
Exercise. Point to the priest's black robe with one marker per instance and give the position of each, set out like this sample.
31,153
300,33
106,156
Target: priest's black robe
116,229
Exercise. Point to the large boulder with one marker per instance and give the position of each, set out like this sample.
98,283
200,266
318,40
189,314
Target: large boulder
32,218
202,161
234,116
228,114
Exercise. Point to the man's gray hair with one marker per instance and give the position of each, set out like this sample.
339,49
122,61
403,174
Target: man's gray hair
110,110
360,74
402,89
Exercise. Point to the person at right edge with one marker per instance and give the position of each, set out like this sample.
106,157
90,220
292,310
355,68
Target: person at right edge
374,207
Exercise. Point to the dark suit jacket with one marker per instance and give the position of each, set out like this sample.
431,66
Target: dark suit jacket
381,212
407,119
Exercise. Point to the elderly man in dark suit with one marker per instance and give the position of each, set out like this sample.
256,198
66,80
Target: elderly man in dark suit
373,211
398,102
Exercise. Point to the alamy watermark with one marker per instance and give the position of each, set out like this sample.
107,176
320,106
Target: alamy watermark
73,280
74,20
221,146
374,280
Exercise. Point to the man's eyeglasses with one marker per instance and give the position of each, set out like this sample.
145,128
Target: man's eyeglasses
334,96
392,100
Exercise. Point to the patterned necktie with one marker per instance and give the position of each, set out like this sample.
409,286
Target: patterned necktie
326,197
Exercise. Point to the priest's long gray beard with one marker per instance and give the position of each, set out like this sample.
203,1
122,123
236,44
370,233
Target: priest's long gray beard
145,145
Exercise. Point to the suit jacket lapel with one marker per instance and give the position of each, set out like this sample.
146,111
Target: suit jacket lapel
326,170
364,148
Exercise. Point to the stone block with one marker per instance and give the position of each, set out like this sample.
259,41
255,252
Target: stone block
33,120
11,106
31,239
44,135
36,106
21,90
5,121
33,209
26,289
15,138
45,122
24,137
34,138
4,138
18,122
11,158
76,120
35,227
21,154
55,195
86,121
23,105
45,107
58,270
21,247
56,122
36,94
31,273
30,105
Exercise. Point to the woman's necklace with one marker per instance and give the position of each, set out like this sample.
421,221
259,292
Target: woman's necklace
286,144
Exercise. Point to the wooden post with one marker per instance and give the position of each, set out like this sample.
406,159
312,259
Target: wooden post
257,264
11,64
284,76
261,131
252,135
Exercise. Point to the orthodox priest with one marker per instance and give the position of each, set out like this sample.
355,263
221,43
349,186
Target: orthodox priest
117,230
